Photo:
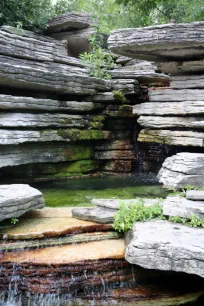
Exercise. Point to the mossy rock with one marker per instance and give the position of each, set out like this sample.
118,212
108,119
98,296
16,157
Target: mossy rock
75,134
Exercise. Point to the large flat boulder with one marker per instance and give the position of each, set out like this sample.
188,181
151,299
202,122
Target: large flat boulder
180,206
162,245
194,81
160,42
183,169
15,200
173,138
69,21
171,95
195,195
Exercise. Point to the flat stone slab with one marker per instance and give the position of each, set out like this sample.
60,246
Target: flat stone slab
15,200
172,95
33,228
99,214
159,122
115,203
162,42
195,195
173,138
182,207
183,169
162,245
69,21
72,239
70,254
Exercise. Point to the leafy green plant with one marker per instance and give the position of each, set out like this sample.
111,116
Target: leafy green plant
127,215
119,96
14,221
99,61
193,221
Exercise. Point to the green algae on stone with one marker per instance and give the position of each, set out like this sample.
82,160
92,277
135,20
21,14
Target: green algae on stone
75,134
78,152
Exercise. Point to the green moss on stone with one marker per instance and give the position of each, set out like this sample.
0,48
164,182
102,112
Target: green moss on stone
75,134
78,152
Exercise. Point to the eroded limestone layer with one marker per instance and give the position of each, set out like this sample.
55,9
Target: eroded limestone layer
15,200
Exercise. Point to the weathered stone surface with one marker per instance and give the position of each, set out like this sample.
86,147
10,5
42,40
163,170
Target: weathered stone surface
171,95
73,239
13,137
47,120
175,138
187,81
122,60
29,103
116,154
170,108
147,78
127,86
69,21
118,166
157,122
166,41
49,77
37,228
115,145
182,207
162,245
181,67
107,249
195,195
115,203
36,153
15,200
99,214
28,45
183,169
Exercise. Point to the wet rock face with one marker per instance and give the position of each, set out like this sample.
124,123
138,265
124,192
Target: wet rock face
15,200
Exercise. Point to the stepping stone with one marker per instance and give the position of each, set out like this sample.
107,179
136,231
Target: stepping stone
195,195
98,214
70,254
162,245
182,207
15,200
115,203
50,227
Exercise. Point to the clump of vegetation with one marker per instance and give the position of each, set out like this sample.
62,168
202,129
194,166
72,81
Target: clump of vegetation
193,221
119,96
99,61
14,221
127,215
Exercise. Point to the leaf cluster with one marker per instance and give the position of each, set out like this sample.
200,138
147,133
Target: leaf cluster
193,221
119,96
127,215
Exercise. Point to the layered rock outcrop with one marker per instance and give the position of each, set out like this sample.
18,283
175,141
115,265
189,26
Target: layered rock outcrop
16,200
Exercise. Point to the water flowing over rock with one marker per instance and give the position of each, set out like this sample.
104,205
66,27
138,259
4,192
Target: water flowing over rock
162,245
183,169
19,199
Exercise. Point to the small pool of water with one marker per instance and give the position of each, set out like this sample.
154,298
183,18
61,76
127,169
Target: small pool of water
80,192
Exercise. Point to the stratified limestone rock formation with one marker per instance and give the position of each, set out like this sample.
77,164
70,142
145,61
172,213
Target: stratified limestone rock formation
157,122
15,200
162,245
180,206
183,169
161,42
69,21
175,138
